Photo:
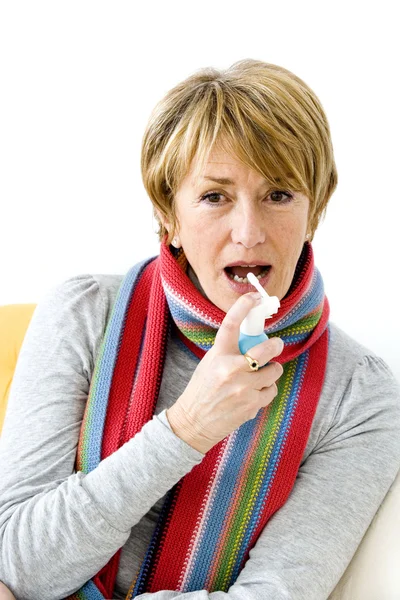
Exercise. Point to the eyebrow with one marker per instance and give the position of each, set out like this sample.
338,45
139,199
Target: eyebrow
221,180
224,180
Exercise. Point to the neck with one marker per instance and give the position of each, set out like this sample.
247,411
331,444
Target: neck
195,280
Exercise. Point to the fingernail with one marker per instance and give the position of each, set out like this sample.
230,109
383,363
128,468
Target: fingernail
255,295
280,344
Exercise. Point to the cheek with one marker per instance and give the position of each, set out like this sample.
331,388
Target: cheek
286,237
202,236
289,243
291,233
196,228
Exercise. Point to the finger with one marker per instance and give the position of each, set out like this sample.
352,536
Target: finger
267,395
264,352
269,375
226,340
262,378
269,349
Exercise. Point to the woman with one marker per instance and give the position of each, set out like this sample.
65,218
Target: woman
181,472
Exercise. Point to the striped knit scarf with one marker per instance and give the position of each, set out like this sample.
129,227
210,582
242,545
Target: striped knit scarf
213,516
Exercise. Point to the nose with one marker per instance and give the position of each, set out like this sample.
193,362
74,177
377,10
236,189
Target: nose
247,224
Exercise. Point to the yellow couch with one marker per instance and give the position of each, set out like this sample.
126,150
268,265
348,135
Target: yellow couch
14,321
373,573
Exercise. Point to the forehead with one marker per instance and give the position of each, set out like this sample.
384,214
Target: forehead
218,160
219,156
221,167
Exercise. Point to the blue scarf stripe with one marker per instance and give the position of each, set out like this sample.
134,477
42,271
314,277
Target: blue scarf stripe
90,592
222,500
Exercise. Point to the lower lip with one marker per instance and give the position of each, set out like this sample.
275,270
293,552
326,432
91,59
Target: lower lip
244,288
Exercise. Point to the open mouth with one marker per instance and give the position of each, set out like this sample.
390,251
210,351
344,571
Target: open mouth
238,274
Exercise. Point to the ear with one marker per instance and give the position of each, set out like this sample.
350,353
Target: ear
176,241
162,219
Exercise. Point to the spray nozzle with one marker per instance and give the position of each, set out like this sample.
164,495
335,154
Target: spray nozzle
253,323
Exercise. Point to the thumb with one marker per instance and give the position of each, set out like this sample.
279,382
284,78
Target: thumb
227,338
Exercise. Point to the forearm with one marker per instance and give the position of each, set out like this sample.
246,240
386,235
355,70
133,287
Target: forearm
66,534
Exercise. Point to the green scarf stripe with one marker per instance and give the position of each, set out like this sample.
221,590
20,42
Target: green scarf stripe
305,325
200,337
257,470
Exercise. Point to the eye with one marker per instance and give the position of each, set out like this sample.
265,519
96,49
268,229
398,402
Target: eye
207,197
279,193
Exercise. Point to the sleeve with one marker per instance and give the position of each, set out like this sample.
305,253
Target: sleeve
59,527
306,546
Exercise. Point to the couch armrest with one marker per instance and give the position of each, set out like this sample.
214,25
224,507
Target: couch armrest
373,573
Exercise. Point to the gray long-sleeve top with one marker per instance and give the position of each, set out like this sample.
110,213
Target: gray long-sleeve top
58,527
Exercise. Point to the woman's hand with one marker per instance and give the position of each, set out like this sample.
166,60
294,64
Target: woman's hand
223,393
5,593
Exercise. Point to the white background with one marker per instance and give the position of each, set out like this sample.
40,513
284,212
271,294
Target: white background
79,80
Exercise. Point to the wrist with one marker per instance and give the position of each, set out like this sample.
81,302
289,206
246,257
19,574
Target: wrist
185,432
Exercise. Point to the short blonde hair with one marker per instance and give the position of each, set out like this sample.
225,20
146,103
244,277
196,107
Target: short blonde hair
259,112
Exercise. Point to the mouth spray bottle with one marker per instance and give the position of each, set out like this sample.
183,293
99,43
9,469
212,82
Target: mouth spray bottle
252,326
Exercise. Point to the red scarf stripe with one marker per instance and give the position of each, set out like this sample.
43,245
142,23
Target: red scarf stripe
126,365
182,286
151,369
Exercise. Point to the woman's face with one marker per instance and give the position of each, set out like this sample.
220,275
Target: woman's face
246,222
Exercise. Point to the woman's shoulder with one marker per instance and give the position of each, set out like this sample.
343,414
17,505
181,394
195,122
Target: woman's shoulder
351,363
86,290
75,309
346,351
108,286
360,395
